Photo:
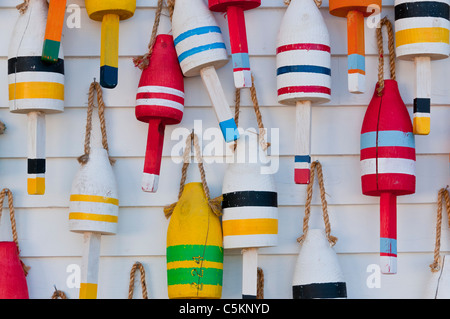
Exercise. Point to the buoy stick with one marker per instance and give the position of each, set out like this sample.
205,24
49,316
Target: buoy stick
422,102
249,273
356,52
219,102
239,47
303,142
90,265
388,233
152,164
36,153
53,31
109,54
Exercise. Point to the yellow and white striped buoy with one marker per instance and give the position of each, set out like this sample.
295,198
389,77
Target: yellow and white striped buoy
35,87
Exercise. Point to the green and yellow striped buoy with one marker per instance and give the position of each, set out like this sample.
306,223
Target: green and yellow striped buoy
194,248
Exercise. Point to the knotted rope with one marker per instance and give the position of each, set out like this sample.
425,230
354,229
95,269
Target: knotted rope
58,294
137,266
309,192
391,45
443,198
6,192
94,88
142,61
215,203
23,7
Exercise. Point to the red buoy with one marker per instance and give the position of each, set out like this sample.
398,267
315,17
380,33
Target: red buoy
159,102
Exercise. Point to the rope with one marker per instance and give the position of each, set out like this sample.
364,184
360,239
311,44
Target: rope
256,108
2,127
260,284
58,294
94,88
388,24
136,266
215,203
142,61
171,7
6,192
318,2
23,7
443,197
331,239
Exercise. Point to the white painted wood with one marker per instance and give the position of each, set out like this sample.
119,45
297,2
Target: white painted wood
423,77
303,114
249,272
91,258
36,136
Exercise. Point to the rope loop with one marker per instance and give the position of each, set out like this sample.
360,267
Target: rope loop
443,198
137,266
385,22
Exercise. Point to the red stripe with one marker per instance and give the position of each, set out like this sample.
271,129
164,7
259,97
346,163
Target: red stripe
241,69
389,152
304,89
388,255
303,46
164,96
302,175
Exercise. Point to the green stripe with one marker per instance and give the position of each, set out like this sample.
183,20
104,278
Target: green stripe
186,276
51,50
189,252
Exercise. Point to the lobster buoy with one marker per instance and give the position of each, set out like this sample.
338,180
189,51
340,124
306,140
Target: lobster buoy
159,100
53,30
13,283
422,34
36,88
388,160
110,13
238,36
355,11
303,73
201,50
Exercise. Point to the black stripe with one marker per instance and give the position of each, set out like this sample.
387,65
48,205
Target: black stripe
36,166
422,105
34,64
250,198
248,297
433,9
320,290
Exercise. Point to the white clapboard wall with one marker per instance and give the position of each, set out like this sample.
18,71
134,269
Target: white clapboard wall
52,250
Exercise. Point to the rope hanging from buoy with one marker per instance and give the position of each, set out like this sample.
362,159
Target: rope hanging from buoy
137,266
443,198
309,192
318,2
23,7
391,45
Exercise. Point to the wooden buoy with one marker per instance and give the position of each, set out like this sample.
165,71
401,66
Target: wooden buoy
250,207
159,100
201,50
35,87
355,11
388,158
53,30
194,237
13,283
303,73
422,34
94,201
110,13
238,36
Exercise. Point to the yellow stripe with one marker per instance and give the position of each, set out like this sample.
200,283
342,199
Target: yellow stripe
94,199
422,125
110,41
193,264
36,186
88,291
36,90
194,291
260,226
421,35
94,217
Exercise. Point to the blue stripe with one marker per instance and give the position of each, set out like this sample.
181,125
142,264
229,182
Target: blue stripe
303,69
388,246
241,61
302,159
197,31
357,62
387,138
212,46
229,130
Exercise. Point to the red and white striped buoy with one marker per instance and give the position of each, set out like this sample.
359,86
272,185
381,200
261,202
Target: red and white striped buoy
303,73
159,100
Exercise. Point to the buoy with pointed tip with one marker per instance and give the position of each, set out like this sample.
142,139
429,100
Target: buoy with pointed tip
201,50
110,13
422,34
53,30
238,36
355,11
303,73
250,207
35,87
159,100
